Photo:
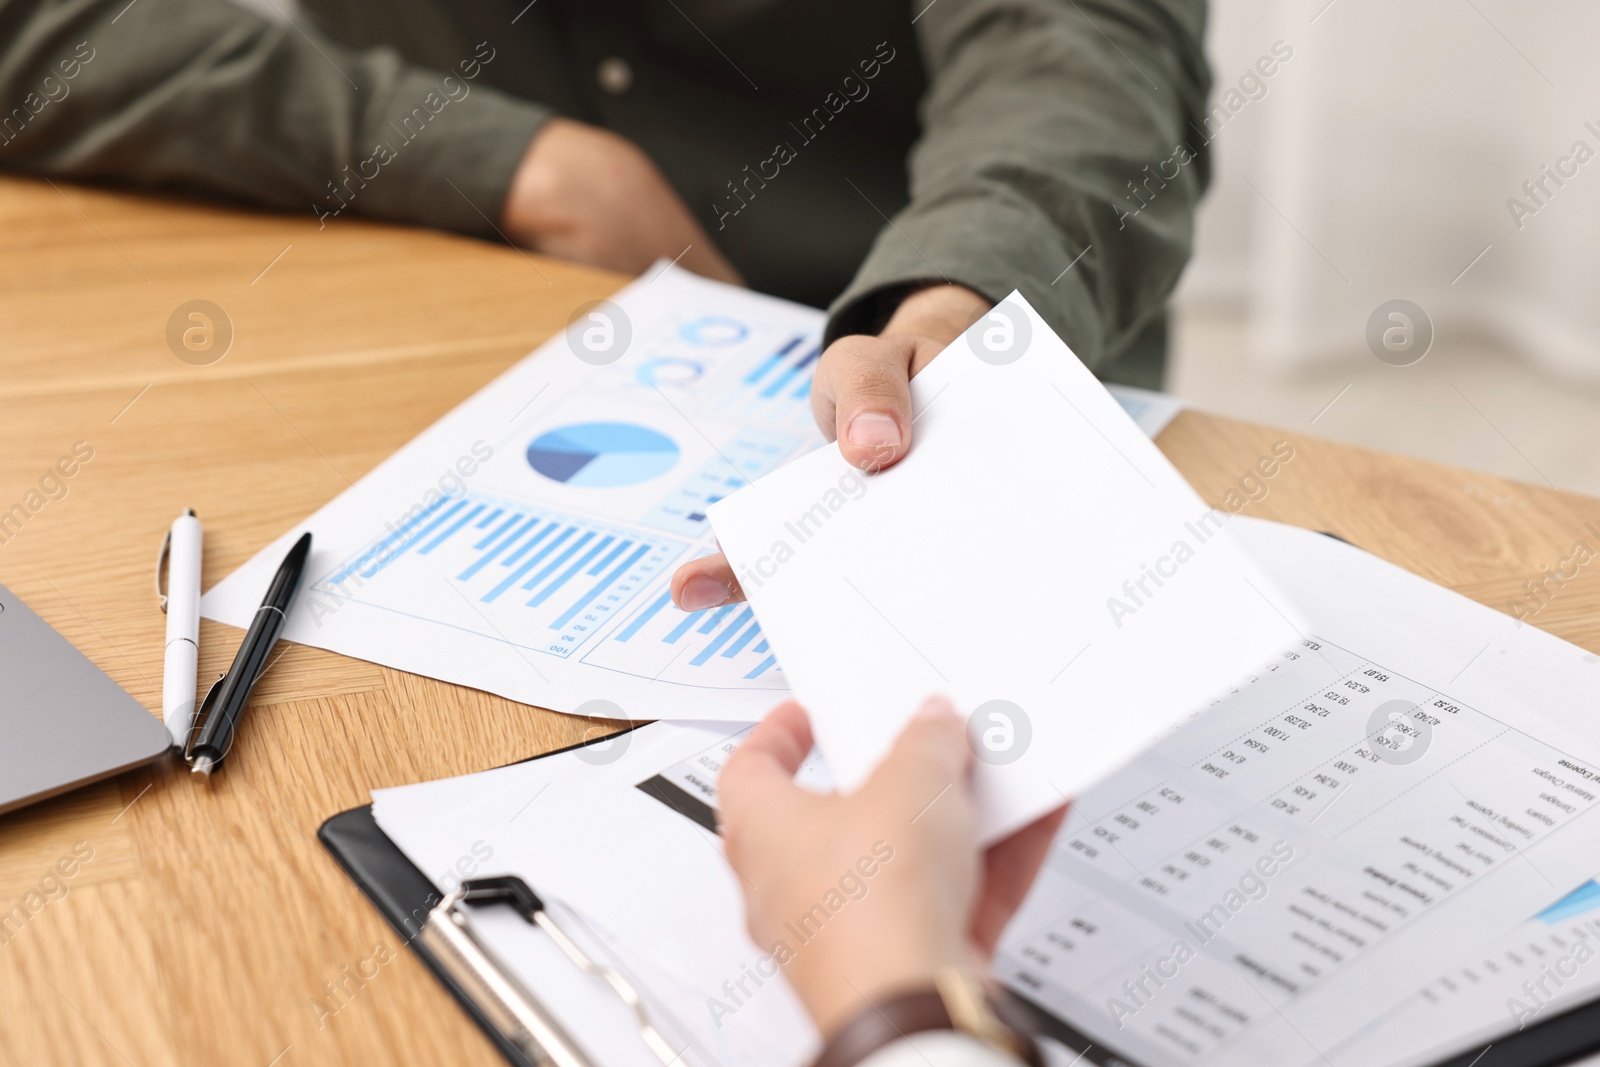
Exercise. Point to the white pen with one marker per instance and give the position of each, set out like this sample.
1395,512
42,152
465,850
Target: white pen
181,602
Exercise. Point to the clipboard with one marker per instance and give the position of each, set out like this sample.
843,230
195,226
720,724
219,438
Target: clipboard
405,898
442,934
514,1018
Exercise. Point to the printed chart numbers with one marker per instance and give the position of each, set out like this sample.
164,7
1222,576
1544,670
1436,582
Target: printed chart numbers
1193,863
1052,949
1126,842
1084,953
1116,843
533,577
721,647
1339,690
1533,971
1221,854
595,607
1320,730
750,454
1524,952
1401,731
690,786
701,771
1439,793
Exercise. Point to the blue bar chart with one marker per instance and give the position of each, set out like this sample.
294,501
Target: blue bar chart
739,460
721,647
519,573
770,365
777,388
1581,901
793,378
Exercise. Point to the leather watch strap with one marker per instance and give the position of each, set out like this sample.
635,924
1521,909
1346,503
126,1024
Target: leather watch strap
995,1023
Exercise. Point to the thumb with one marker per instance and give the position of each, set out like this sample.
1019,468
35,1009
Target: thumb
861,395
931,754
762,769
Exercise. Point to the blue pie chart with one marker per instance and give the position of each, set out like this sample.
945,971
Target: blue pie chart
602,455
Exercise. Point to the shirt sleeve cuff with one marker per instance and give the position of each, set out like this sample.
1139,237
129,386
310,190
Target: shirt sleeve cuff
938,1048
444,152
985,244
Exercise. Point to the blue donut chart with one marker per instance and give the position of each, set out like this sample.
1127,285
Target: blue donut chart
669,370
714,331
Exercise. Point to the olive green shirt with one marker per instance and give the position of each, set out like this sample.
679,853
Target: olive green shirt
839,152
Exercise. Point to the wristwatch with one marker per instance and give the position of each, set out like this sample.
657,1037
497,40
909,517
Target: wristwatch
958,1000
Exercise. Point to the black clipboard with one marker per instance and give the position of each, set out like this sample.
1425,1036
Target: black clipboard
404,896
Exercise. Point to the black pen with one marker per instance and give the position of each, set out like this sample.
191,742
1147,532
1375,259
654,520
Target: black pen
225,703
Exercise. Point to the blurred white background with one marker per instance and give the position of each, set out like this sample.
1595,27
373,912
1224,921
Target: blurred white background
1377,162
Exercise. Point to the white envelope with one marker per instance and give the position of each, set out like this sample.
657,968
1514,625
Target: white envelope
1035,557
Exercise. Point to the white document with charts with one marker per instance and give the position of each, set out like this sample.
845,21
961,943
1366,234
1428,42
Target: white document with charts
523,543
1377,851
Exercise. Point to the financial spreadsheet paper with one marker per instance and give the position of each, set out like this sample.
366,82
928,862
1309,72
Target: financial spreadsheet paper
1357,857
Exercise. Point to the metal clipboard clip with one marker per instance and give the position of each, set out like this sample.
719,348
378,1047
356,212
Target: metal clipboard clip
502,996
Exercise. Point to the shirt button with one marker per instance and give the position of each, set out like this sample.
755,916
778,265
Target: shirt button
614,75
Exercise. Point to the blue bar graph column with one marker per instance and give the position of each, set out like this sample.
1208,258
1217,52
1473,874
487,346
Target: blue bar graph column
722,638
645,616
577,573
600,587
488,557
722,645
544,594
533,561
792,372
768,365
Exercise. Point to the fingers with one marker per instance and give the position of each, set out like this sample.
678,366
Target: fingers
707,582
1009,868
931,754
861,397
763,766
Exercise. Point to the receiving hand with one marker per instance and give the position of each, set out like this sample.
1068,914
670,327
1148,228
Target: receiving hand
875,891
586,194
861,397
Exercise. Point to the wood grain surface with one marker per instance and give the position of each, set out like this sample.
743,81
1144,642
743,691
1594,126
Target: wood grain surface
208,926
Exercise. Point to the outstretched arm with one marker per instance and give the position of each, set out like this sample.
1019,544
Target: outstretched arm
1057,134
1062,155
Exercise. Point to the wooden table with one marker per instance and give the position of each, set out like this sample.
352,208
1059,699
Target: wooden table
348,341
